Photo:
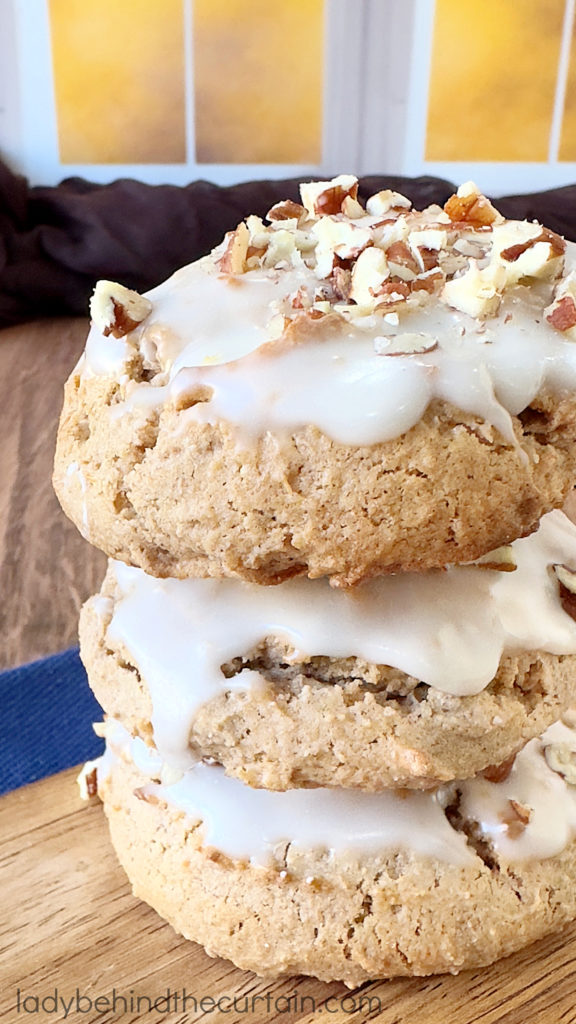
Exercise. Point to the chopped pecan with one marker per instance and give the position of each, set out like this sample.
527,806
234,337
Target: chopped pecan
500,559
557,246
400,257
341,281
117,310
430,281
300,299
469,206
91,780
383,202
287,210
499,772
516,819
369,273
325,198
233,259
562,313
561,758
405,344
331,201
393,291
567,587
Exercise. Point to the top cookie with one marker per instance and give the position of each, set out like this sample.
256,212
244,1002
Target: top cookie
343,392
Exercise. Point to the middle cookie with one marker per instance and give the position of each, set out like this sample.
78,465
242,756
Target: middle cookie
408,680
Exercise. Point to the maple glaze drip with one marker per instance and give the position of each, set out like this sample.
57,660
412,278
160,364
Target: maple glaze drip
318,325
254,824
448,629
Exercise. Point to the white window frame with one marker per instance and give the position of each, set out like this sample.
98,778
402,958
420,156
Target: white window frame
377,56
494,177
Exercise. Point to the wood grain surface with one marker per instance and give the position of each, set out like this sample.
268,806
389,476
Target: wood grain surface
69,922
46,568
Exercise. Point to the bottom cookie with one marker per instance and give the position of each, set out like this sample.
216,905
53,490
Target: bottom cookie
344,885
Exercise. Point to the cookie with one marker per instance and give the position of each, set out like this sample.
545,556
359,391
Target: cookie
344,392
405,681
343,886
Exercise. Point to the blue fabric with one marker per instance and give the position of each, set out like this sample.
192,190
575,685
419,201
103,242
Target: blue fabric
46,715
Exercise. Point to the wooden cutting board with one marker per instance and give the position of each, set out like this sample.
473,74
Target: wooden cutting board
71,929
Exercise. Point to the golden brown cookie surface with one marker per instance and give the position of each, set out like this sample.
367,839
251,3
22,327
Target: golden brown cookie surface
350,916
341,392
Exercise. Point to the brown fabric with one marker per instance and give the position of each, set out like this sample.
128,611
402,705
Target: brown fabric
56,242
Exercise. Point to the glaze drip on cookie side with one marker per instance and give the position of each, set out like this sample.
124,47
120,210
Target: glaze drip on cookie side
447,628
530,815
455,304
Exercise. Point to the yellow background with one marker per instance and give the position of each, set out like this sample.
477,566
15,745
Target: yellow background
258,73
119,80
493,78
568,138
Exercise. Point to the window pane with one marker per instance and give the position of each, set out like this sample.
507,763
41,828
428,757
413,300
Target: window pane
493,79
568,137
258,81
119,80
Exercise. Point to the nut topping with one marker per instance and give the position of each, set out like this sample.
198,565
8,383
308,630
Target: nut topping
402,261
500,559
527,250
337,238
516,818
478,292
389,259
391,293
566,576
471,207
561,758
499,772
383,202
117,310
341,283
405,344
323,198
562,314
233,258
556,243
567,580
88,781
287,210
370,272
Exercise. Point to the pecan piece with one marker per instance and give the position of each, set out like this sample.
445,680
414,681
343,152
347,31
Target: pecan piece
561,758
286,210
117,310
402,261
233,259
516,819
469,206
499,772
325,198
567,586
562,313
557,246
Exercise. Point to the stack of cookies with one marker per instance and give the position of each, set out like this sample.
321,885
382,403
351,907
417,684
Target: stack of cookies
336,644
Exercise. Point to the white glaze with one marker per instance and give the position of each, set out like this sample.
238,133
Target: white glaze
250,824
206,329
448,629
549,799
